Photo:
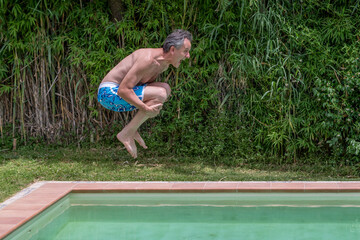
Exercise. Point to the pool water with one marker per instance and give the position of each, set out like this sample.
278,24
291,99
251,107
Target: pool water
199,216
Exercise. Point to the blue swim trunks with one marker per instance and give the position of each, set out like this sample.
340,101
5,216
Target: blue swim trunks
107,96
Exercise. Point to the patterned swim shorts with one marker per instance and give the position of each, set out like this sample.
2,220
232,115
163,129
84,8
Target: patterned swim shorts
107,96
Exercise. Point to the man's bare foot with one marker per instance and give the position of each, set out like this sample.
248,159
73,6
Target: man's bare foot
129,144
139,139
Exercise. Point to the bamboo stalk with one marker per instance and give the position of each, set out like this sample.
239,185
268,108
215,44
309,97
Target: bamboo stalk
22,102
14,97
1,121
72,104
43,98
14,144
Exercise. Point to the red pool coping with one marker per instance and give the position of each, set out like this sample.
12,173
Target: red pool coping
31,201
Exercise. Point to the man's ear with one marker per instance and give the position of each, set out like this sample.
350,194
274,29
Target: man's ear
172,49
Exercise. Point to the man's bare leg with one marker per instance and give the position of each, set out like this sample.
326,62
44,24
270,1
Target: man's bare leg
155,94
130,133
139,139
129,144
127,135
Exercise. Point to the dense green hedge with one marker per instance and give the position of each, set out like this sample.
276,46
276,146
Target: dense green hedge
279,78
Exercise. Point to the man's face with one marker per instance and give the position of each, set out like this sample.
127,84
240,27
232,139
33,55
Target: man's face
181,53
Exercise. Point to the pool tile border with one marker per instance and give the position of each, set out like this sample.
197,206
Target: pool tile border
31,201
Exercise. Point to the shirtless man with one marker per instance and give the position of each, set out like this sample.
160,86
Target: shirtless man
131,84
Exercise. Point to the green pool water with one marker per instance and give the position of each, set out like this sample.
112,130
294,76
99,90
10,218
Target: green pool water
190,216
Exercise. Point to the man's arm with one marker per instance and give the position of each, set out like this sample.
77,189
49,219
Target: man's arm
131,79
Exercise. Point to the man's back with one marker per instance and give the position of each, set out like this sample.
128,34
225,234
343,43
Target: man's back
149,55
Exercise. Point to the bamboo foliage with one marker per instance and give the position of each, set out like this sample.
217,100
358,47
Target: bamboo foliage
258,64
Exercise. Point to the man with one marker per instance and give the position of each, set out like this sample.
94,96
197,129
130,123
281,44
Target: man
131,84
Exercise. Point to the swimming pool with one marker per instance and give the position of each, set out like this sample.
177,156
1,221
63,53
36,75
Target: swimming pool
198,216
200,210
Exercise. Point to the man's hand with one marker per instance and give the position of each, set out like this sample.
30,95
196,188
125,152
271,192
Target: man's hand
153,110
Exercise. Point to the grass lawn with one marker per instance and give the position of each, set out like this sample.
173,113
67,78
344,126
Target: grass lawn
19,169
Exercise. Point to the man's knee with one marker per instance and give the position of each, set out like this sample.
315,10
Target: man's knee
164,91
167,88
162,94
167,91
158,92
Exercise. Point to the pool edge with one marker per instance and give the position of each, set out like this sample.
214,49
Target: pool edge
39,196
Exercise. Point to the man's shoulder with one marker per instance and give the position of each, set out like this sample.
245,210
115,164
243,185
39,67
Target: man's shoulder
145,56
146,53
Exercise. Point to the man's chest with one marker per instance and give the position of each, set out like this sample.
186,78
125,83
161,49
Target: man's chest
152,74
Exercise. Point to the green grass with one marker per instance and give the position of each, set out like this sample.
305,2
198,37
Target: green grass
25,166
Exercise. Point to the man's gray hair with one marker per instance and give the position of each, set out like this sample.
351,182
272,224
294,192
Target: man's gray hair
176,39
